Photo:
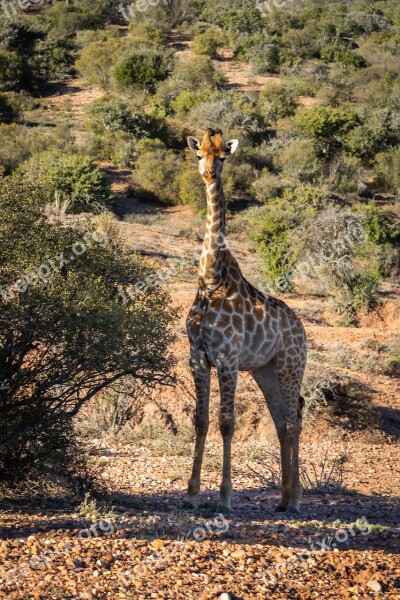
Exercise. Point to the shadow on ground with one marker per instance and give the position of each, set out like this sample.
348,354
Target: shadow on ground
363,522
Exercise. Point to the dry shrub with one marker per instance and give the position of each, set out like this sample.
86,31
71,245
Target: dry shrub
340,399
316,476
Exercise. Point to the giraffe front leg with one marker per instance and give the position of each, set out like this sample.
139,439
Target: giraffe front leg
201,375
227,384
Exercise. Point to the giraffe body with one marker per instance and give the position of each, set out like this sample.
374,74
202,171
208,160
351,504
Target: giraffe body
234,327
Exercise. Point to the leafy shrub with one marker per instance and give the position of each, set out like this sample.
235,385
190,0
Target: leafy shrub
8,111
276,102
157,172
195,73
391,349
54,56
357,292
112,114
344,250
192,189
260,52
271,228
236,18
69,181
13,73
341,56
298,160
143,67
232,113
388,170
97,60
379,130
206,43
75,334
268,186
328,128
18,143
265,58
190,99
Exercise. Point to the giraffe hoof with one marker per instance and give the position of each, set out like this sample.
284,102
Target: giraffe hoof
280,508
187,505
292,510
223,510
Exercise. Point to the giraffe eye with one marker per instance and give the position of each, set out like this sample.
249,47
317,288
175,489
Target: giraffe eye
199,157
222,158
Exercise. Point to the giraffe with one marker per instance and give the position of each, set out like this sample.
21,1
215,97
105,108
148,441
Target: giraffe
234,327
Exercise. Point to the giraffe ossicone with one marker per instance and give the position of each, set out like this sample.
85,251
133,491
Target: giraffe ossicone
234,327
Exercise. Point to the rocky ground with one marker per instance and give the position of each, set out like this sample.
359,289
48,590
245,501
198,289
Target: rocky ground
139,544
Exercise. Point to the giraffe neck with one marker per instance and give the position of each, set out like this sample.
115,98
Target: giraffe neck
212,262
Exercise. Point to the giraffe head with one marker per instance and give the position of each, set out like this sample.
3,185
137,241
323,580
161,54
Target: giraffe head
211,153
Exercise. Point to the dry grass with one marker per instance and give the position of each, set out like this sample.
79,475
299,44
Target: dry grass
316,476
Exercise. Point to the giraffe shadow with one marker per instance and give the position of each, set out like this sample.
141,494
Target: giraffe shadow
347,520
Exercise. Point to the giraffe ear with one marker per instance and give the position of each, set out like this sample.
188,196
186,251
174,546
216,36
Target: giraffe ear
193,143
231,146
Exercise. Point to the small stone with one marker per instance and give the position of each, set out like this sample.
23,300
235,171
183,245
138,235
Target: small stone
225,596
238,554
374,585
158,543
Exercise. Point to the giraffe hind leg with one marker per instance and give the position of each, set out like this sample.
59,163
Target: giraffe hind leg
288,431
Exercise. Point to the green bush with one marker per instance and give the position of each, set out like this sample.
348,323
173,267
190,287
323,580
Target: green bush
268,186
69,181
387,167
264,58
229,111
118,147
76,335
341,56
328,127
191,189
112,114
271,228
391,348
379,130
143,67
13,71
157,172
235,18
19,142
190,99
356,293
276,102
97,60
8,111
207,43
298,161
195,73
